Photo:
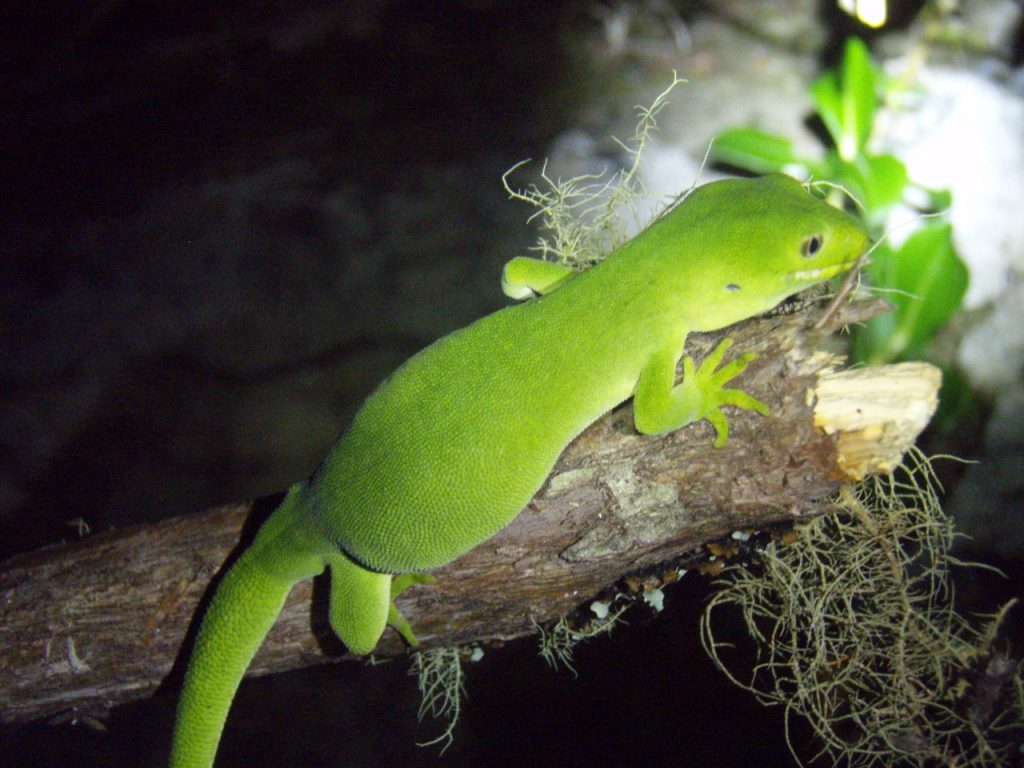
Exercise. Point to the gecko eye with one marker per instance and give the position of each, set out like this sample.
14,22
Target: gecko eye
811,246
732,287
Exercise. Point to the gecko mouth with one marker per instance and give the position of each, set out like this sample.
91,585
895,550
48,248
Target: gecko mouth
822,273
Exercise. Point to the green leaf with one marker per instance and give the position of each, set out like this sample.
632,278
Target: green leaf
877,181
847,101
938,199
926,283
754,150
825,92
885,181
859,94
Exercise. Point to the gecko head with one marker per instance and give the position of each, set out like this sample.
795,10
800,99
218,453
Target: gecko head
776,240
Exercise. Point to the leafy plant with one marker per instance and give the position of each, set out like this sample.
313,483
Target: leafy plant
929,281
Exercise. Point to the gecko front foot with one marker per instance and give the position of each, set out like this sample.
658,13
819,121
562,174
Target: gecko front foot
660,405
709,389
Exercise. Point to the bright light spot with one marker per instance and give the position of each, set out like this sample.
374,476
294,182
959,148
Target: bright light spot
873,13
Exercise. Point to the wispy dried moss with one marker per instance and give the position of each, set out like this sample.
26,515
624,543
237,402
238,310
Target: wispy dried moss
857,633
585,218
441,683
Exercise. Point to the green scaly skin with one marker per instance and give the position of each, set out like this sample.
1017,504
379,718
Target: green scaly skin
452,446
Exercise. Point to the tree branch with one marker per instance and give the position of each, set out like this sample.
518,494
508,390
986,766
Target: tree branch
92,624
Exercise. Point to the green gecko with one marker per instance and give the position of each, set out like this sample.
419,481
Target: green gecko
454,443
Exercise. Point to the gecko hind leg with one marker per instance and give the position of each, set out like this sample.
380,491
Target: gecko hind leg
396,620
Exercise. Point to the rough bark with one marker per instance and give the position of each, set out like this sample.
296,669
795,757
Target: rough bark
92,624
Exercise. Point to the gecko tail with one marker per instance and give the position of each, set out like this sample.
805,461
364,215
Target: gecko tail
243,609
